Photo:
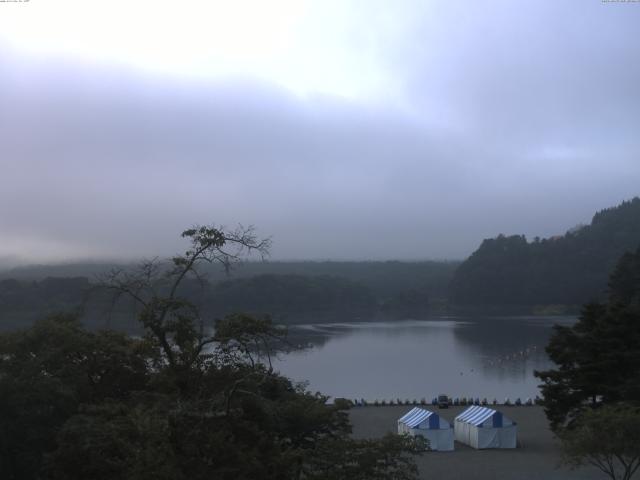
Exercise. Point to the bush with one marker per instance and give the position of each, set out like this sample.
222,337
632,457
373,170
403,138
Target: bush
343,403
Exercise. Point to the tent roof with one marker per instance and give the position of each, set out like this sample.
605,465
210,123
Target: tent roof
476,415
415,417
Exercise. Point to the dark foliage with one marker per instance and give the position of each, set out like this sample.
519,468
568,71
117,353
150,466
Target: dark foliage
407,303
294,291
570,269
47,373
598,358
607,438
23,301
181,402
383,279
281,295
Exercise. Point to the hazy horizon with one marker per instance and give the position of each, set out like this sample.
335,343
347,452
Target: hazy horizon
9,262
342,130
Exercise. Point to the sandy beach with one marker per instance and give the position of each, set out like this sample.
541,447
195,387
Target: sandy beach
536,458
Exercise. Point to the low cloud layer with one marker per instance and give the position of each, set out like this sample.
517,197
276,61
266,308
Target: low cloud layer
502,121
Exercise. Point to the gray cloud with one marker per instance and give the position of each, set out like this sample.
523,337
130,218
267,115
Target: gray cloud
514,120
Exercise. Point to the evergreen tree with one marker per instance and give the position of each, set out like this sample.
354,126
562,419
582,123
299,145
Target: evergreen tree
598,358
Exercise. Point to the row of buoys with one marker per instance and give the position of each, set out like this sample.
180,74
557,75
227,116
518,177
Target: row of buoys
458,401
476,401
518,355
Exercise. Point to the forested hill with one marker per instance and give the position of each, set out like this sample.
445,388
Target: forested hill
566,270
289,291
385,279
286,295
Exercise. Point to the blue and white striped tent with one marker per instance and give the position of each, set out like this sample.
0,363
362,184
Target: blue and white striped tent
482,427
428,424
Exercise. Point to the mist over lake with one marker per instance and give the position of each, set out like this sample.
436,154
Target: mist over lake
462,356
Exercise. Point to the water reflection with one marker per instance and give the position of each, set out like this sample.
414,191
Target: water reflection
479,357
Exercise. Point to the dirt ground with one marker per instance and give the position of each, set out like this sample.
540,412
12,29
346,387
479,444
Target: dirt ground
536,457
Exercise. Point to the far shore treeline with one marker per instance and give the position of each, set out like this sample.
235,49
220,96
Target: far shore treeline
506,274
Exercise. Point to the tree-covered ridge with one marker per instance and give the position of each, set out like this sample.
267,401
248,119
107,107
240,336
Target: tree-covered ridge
571,269
291,294
320,291
383,278
22,302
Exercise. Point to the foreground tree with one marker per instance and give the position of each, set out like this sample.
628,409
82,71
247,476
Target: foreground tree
180,403
345,459
593,398
172,322
607,438
598,358
47,372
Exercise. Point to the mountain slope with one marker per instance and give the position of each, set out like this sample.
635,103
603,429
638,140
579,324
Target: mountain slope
571,269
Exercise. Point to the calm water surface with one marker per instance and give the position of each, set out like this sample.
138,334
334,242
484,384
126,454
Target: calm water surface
412,359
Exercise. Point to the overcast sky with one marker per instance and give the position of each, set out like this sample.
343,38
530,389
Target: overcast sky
344,130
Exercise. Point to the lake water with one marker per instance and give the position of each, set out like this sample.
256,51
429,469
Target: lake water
414,359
